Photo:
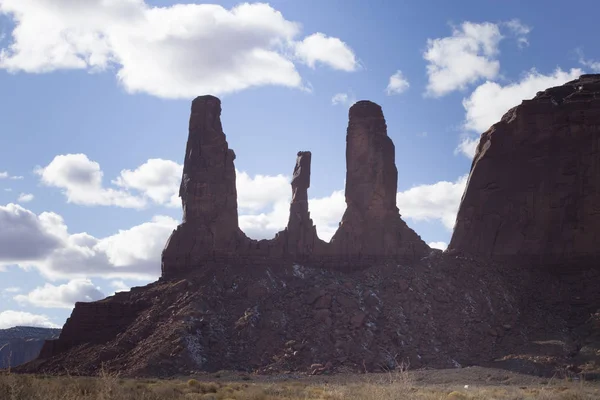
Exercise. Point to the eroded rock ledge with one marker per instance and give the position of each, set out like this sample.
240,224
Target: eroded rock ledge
371,229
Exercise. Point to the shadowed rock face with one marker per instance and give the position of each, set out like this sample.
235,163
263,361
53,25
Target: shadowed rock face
208,192
371,229
371,225
534,187
21,344
301,235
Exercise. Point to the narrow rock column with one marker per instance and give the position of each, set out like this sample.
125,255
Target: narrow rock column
208,193
301,234
371,226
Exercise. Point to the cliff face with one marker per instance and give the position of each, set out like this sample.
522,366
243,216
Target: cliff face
21,344
370,231
533,194
376,294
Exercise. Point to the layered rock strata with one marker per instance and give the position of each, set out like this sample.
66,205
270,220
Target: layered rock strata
533,193
371,229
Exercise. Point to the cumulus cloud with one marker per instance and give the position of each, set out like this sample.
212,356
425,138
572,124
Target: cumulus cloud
397,84
331,51
10,318
61,296
481,112
343,99
25,198
81,181
463,58
261,191
175,51
438,245
119,286
44,242
468,145
157,179
25,235
438,201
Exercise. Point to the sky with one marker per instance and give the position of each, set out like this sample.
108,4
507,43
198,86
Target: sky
95,99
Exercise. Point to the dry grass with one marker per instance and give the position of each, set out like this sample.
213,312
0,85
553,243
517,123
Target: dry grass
395,385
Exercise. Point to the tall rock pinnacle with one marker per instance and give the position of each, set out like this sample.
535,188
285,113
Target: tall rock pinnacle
371,225
534,187
301,234
208,192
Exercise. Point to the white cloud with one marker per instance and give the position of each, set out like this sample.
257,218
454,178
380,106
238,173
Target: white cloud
330,51
43,241
6,175
176,51
327,212
438,245
61,296
7,189
13,289
438,201
81,180
481,113
397,84
591,64
157,179
261,191
25,198
463,58
10,318
344,99
519,30
119,286
24,235
467,146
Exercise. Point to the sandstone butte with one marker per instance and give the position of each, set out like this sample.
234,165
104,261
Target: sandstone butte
517,288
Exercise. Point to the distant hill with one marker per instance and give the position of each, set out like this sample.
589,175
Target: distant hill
23,343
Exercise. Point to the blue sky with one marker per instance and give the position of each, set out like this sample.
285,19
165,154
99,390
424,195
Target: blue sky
95,103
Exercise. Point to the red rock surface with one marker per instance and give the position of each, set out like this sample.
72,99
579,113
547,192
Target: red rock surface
533,194
371,226
376,295
371,230
208,194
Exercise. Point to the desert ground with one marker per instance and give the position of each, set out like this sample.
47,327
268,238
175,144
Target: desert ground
459,384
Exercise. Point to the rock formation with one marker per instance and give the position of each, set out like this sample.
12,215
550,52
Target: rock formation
375,295
371,226
300,236
209,227
371,230
21,344
533,193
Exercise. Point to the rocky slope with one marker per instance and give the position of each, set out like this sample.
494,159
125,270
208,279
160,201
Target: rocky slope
376,295
21,344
